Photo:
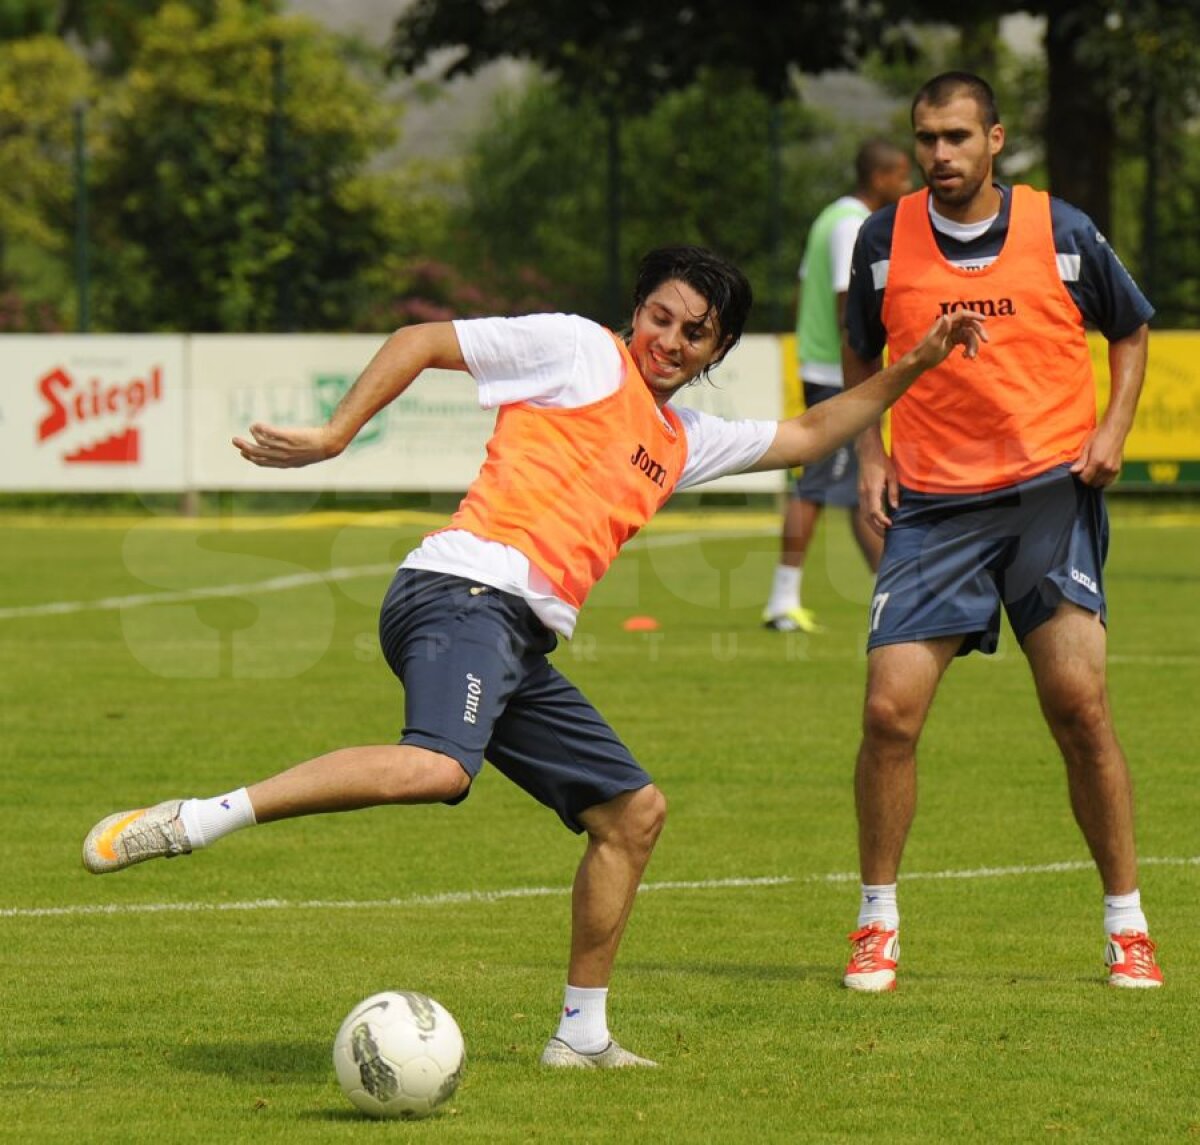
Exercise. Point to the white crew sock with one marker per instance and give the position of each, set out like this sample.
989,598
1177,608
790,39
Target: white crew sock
207,820
583,1024
1124,912
785,590
878,904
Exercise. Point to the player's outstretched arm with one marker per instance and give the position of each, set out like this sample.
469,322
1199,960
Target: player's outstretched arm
431,345
819,431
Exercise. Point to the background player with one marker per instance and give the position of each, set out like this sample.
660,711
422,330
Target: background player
883,173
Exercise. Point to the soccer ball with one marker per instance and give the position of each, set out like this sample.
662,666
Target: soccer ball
399,1054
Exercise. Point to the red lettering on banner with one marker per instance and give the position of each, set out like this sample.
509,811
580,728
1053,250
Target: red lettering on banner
72,402
57,418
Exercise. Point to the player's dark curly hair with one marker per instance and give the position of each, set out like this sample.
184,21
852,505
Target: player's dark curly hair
719,282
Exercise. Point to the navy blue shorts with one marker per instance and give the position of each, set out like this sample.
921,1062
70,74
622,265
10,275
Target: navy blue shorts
477,685
833,480
951,562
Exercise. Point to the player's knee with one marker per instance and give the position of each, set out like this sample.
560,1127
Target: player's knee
650,814
418,775
888,720
632,821
1082,721
455,781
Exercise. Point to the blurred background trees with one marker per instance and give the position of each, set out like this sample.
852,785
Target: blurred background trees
244,168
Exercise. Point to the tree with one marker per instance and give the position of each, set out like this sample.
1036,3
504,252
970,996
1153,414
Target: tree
622,56
535,177
1093,50
37,194
110,31
232,190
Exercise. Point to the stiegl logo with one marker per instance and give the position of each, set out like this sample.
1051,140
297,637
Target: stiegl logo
1085,580
474,691
72,401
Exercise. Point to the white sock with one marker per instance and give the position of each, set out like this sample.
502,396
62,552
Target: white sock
207,820
583,1024
878,904
785,590
1124,912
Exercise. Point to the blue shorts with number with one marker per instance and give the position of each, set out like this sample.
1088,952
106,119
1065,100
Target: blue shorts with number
834,479
477,684
950,563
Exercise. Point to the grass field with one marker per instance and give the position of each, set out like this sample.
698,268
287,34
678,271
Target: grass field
196,1001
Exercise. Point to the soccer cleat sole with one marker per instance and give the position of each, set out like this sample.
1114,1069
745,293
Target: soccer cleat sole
877,982
1123,982
559,1055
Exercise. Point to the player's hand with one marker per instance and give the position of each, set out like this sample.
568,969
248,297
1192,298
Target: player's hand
1100,462
878,489
275,448
961,328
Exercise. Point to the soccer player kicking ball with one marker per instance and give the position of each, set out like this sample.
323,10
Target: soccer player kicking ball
586,449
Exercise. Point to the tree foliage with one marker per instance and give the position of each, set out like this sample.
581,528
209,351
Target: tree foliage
232,190
37,187
627,50
697,169
111,30
37,137
1102,59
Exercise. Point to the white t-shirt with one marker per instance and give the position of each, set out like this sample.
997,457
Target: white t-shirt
562,361
842,237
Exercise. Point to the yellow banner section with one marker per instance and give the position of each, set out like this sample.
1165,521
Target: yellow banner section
1168,418
1167,427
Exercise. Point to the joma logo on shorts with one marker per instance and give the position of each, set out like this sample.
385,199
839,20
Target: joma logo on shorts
988,307
1085,580
474,691
651,468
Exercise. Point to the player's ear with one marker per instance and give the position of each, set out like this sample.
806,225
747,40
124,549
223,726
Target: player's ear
996,138
725,348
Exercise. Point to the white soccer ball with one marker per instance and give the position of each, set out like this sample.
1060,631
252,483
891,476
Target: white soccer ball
399,1054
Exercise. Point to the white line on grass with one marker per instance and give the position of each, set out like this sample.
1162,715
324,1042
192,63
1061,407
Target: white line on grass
445,899
450,898
273,584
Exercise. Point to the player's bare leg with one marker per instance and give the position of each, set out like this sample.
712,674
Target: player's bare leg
799,524
621,838
1067,655
356,777
342,780
784,611
902,680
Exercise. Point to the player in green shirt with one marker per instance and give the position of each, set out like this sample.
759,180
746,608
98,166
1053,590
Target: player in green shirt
883,174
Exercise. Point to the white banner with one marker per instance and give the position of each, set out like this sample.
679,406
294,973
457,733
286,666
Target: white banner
745,385
148,412
95,413
431,438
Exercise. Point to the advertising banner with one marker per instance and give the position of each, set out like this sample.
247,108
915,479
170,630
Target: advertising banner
1163,448
745,385
432,438
113,413
92,413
